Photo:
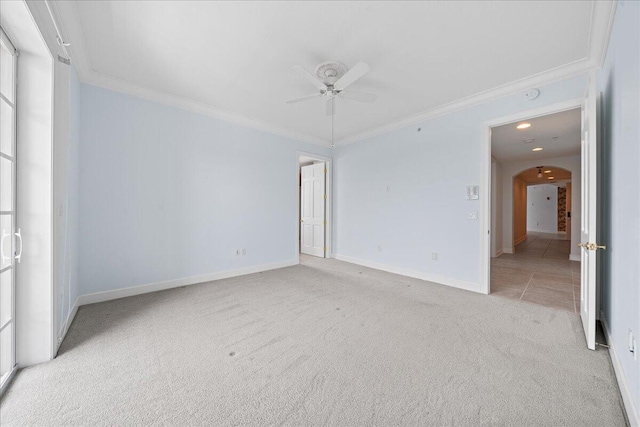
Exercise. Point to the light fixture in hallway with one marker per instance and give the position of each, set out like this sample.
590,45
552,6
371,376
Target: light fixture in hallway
537,149
523,126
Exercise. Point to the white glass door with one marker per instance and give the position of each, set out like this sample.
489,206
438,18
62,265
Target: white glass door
8,236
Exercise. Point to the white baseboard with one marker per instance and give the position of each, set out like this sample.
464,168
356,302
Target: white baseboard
573,257
632,412
169,284
498,253
543,231
67,324
508,251
448,281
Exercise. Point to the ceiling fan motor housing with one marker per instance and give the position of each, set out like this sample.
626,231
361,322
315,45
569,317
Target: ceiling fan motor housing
329,72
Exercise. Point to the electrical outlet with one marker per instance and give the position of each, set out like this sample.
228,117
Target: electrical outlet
434,256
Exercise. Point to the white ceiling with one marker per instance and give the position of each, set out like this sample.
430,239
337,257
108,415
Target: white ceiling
508,142
234,59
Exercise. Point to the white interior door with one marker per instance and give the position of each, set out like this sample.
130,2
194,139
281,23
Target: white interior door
588,229
312,210
7,208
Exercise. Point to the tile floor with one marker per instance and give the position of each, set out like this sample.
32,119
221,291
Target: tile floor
539,272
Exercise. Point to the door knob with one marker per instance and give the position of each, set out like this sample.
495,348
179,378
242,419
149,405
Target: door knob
591,246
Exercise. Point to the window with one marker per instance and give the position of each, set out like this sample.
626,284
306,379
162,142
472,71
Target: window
8,234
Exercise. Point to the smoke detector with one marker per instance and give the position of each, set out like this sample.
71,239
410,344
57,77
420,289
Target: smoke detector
532,94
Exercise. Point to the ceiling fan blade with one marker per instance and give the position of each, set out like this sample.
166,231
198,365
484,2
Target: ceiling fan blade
357,71
359,96
313,79
304,98
331,107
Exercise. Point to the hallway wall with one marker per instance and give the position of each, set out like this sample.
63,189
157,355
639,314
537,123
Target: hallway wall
519,210
542,208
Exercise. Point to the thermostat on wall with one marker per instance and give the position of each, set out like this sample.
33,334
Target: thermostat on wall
472,192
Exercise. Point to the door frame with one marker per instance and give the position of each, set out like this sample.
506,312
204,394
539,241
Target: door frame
485,174
328,233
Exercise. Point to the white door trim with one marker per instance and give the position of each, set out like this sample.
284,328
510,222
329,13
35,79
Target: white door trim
485,173
328,206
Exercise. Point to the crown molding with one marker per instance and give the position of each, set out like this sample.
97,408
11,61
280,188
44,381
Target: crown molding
564,72
113,83
603,14
602,18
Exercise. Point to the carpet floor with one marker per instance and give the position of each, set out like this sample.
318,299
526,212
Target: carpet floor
321,343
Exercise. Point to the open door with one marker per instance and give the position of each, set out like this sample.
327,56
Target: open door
588,229
312,210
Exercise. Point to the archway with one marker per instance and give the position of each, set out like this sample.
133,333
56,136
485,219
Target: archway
541,203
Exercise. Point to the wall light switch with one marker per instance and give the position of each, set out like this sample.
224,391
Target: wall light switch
434,256
473,215
473,192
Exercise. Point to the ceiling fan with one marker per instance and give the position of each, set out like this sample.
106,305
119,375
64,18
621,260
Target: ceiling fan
332,78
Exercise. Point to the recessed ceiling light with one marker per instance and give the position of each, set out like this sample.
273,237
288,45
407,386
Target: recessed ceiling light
537,149
551,177
547,171
523,125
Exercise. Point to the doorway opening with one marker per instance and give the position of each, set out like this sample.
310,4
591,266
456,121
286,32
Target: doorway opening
314,206
535,183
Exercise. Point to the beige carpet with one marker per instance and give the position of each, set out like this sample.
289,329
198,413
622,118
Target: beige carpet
322,343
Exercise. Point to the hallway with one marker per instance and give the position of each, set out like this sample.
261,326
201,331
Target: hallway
539,273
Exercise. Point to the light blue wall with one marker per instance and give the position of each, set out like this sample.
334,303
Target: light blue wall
619,81
169,194
426,209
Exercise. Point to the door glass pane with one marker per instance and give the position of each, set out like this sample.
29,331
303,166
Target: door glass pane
6,184
6,71
6,291
6,128
6,237
6,350
7,194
